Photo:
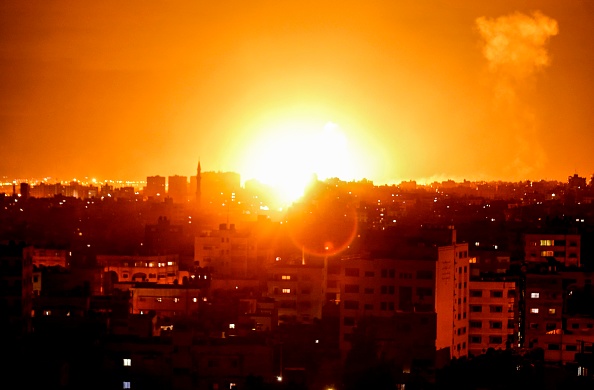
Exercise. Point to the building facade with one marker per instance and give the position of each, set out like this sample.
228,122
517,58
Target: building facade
564,248
493,321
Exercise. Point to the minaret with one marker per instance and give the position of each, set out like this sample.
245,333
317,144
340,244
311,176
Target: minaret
198,177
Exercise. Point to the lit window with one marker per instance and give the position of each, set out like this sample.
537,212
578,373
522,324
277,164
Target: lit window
534,295
534,310
127,362
552,311
231,326
547,242
286,290
126,385
547,253
159,299
286,277
472,260
176,299
194,300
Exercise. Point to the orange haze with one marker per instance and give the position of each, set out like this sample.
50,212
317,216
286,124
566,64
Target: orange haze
413,89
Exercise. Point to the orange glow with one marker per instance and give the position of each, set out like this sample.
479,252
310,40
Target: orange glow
288,155
325,229
418,89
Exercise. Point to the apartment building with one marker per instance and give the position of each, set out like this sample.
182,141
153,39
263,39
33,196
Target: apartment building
299,289
493,320
559,314
564,248
422,285
131,269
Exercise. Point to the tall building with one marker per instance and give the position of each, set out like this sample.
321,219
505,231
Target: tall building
155,187
178,188
25,190
217,188
423,289
198,183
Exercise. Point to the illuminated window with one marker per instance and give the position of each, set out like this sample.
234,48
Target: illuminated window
286,277
176,299
126,385
127,362
286,290
231,326
534,295
159,299
552,311
534,310
547,242
194,299
547,253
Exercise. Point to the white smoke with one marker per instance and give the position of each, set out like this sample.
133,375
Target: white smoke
515,47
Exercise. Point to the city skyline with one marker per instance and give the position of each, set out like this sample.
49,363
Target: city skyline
386,91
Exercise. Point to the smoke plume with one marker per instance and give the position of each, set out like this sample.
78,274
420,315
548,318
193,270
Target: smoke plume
515,47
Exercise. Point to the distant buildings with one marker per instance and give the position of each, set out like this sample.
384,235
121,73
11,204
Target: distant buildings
223,297
155,187
177,188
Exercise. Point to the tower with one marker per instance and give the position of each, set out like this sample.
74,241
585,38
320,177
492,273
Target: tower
198,193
